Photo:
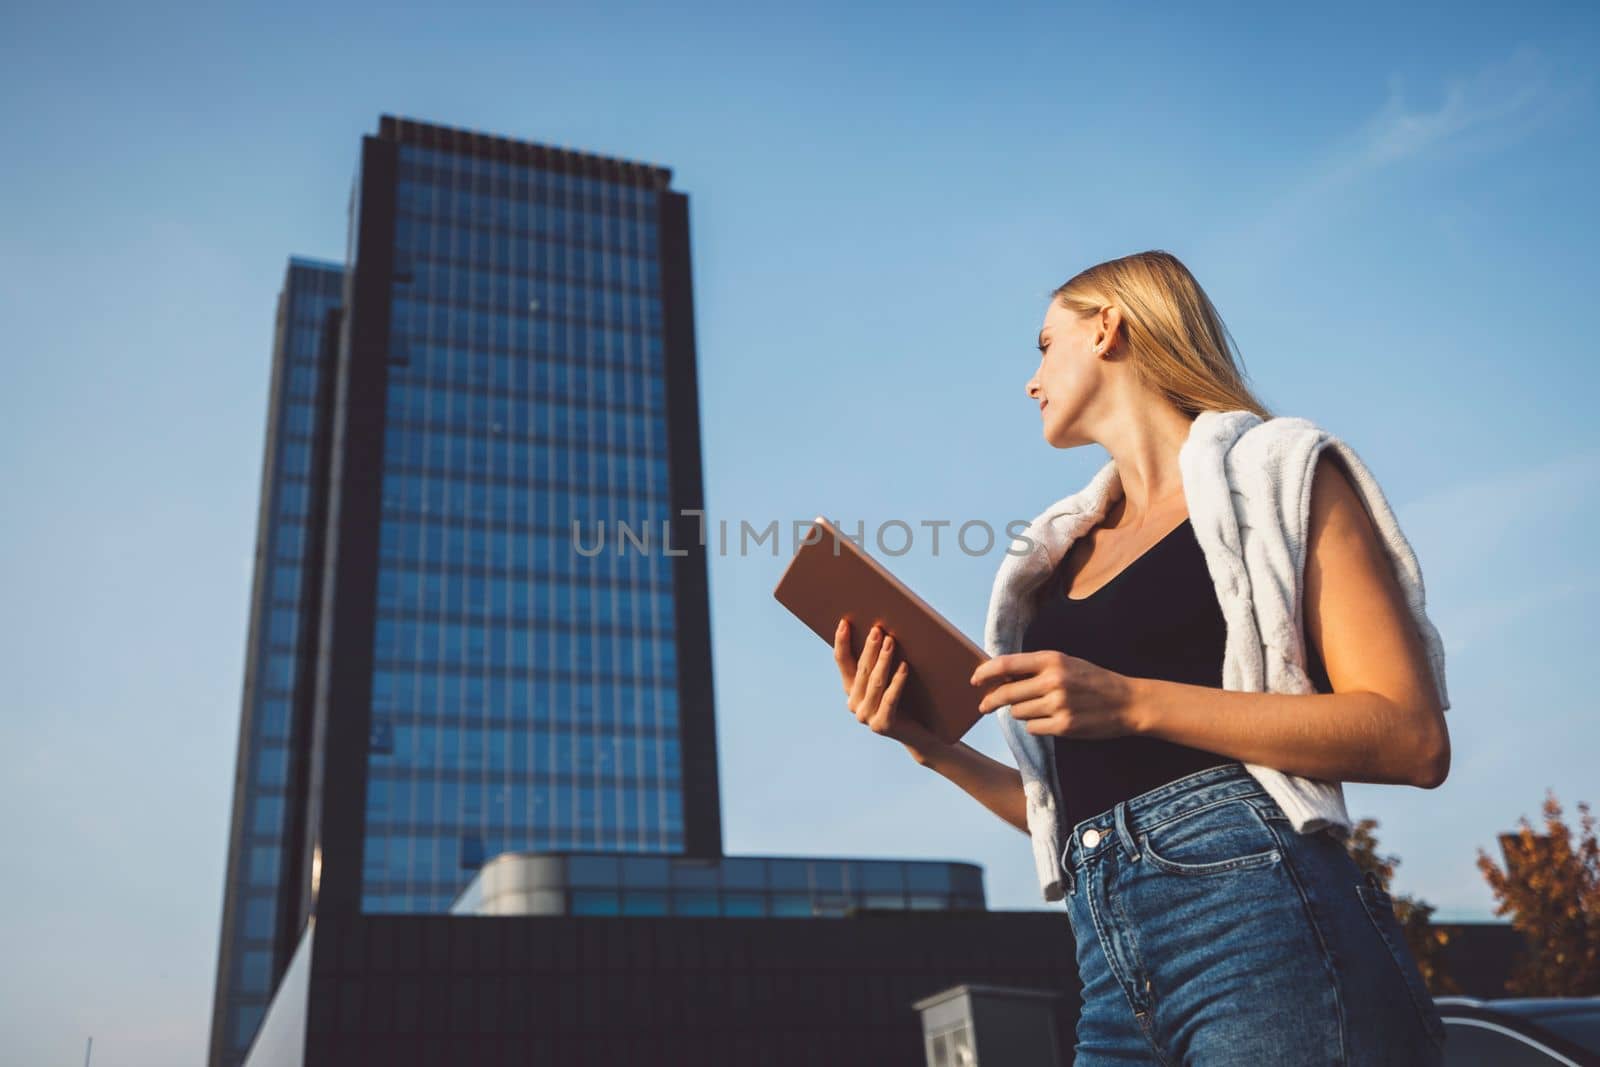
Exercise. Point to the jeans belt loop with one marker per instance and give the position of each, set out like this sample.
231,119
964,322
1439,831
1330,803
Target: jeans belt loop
1120,813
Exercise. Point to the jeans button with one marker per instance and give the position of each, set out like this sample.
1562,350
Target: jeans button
1091,837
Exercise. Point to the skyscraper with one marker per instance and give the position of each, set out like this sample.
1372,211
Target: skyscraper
515,355
519,358
254,900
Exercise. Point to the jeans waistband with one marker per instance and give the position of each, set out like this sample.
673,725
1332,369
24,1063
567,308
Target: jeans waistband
1123,821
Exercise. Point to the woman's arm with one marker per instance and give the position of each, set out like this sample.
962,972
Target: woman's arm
991,783
1382,722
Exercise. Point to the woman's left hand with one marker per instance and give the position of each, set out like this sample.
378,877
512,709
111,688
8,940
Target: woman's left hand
1059,695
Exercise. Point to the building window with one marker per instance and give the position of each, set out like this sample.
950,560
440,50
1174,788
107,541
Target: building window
928,877
255,971
264,865
650,871
790,874
381,739
591,902
271,763
883,877
791,905
471,851
246,1017
644,904
269,816
744,905
592,870
744,873
258,917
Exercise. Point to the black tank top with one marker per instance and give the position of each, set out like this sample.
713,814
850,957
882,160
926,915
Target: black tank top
1157,618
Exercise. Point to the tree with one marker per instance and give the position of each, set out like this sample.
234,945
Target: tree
1552,891
1427,942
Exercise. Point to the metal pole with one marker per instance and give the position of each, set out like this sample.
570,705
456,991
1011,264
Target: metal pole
88,1052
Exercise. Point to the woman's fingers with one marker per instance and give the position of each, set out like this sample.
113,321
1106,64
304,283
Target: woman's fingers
1019,689
864,665
874,680
1014,693
841,653
890,703
877,681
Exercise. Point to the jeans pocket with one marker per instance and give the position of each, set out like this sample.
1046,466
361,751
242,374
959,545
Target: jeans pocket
1228,836
1379,906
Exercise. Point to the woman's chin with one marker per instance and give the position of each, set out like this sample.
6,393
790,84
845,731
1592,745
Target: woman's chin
1060,436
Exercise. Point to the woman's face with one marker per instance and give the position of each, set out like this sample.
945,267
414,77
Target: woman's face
1069,378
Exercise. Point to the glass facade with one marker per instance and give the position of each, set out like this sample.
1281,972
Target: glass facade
524,692
254,904
733,887
281,1039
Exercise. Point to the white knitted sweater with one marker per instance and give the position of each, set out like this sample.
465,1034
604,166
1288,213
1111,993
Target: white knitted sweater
1248,486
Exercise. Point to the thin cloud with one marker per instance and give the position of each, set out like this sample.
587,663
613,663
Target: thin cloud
1527,500
1470,624
1504,100
1485,112
1480,575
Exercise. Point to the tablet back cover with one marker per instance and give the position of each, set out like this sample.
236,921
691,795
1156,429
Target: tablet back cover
830,577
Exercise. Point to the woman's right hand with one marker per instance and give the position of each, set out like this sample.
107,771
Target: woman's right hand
872,688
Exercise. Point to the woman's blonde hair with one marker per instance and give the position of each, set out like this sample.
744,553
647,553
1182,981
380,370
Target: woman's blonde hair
1177,343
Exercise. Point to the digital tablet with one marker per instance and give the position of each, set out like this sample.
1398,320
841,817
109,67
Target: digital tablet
830,578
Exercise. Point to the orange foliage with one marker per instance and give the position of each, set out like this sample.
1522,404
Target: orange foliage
1552,891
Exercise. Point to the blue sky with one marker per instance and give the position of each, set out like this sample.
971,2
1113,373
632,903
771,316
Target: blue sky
1393,210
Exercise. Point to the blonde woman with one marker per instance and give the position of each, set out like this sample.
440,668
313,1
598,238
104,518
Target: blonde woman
1190,654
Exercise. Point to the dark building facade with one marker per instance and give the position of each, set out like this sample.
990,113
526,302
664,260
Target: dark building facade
418,991
498,635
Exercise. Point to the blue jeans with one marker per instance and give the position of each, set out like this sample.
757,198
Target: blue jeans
1209,932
